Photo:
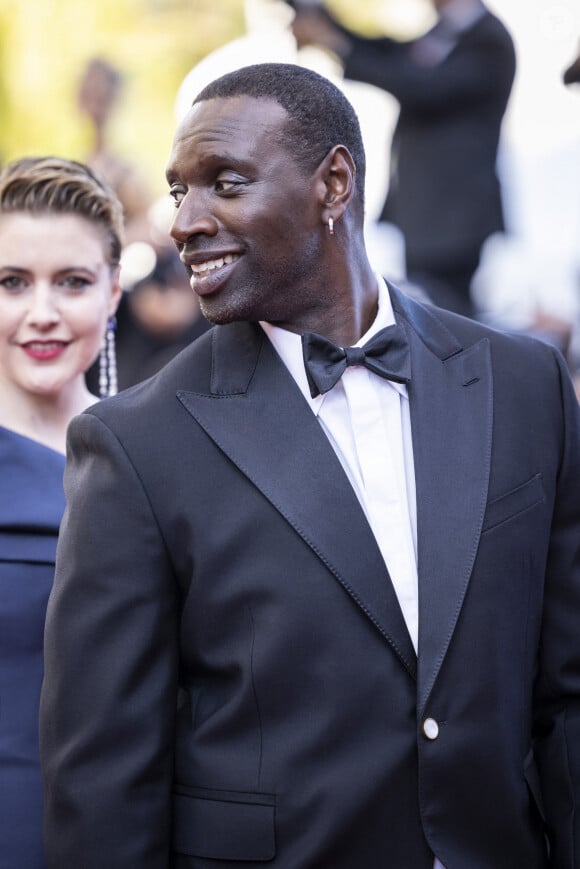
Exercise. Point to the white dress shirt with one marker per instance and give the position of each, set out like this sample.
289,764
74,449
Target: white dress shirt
366,419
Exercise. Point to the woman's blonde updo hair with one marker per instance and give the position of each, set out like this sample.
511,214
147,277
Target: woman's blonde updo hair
53,185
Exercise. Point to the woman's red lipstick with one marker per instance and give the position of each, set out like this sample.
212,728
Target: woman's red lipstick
44,351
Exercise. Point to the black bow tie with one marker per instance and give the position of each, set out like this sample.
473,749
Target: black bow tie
387,354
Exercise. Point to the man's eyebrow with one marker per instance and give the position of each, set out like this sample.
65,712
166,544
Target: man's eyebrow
222,156
222,159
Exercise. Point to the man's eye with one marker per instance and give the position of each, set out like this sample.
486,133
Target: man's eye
223,185
177,195
229,184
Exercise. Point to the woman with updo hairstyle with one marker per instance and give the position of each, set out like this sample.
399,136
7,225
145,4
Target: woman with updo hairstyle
61,235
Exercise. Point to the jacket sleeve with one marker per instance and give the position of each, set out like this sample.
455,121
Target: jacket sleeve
109,693
557,695
477,70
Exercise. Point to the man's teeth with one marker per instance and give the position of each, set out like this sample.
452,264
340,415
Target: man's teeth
212,264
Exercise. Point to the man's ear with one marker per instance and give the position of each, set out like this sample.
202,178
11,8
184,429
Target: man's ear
336,183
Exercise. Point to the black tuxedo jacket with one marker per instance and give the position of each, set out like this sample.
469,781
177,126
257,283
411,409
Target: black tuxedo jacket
444,193
229,679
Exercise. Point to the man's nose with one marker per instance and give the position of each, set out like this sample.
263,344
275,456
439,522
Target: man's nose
192,218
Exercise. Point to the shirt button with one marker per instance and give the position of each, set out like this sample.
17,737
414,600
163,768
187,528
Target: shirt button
430,728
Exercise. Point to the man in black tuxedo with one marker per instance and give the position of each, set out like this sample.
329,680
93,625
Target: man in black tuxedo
452,86
317,600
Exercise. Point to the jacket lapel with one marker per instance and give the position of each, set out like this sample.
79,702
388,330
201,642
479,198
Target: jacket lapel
257,416
451,419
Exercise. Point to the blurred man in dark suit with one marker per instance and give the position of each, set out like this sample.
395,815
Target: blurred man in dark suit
453,86
572,73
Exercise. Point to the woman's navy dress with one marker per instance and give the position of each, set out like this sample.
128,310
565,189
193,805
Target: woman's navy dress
31,508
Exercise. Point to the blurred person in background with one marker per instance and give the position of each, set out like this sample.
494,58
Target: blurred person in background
99,90
158,316
571,74
60,245
452,85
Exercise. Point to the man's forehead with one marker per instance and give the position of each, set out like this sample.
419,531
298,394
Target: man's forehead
224,117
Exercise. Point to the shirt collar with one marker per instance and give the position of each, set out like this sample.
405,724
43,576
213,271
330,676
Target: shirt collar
288,345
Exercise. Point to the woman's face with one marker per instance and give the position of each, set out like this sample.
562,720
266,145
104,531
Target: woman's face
57,291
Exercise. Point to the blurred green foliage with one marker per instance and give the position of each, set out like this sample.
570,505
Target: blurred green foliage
45,45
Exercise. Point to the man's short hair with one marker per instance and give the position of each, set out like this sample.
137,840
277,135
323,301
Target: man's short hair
320,116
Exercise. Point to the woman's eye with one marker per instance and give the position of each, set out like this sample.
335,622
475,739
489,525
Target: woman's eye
74,283
13,283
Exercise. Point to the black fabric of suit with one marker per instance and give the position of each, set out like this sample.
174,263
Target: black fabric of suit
229,678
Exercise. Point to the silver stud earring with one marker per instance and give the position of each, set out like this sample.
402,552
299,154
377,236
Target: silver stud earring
108,362
331,226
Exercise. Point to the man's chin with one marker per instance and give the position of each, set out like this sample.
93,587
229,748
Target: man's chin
219,309
219,317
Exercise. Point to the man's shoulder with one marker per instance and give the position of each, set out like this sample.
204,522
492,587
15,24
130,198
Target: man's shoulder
437,324
223,348
490,26
501,339
529,375
188,369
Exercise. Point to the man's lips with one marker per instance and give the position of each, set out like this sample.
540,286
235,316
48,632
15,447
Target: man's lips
203,267
207,273
44,350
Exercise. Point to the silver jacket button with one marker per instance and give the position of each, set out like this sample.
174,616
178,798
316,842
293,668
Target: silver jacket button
430,728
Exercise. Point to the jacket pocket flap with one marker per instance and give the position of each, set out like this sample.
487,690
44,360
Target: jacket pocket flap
222,829
513,503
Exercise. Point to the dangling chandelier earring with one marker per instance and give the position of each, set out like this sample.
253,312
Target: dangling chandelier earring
108,362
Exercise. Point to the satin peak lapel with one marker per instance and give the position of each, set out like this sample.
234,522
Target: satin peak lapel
451,419
252,412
